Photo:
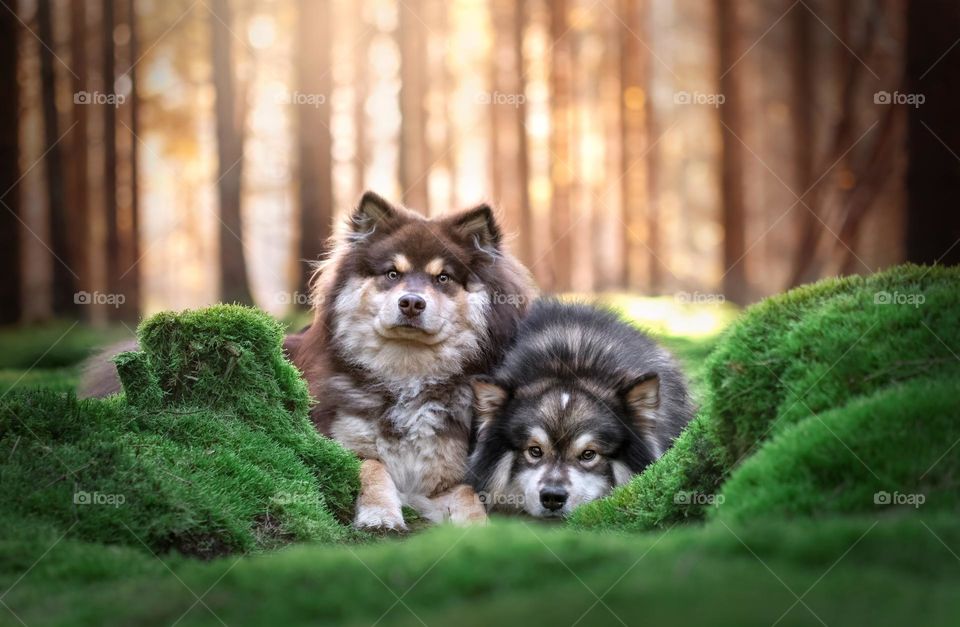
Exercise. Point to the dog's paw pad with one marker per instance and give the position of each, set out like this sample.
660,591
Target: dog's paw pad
379,519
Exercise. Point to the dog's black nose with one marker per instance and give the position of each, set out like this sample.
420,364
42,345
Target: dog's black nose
411,305
553,497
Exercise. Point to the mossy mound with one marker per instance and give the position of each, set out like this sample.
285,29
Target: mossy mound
787,360
209,450
887,452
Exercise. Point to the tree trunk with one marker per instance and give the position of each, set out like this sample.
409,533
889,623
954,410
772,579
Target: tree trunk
731,168
11,298
234,284
114,260
803,91
414,162
561,169
361,81
314,77
64,287
933,135
131,278
639,213
508,133
79,215
807,263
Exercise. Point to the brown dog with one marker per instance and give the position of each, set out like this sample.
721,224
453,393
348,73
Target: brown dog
406,310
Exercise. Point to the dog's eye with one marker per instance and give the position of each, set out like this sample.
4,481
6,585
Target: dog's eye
587,455
443,278
535,451
393,275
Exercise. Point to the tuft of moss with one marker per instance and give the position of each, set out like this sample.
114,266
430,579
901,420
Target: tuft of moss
786,360
209,450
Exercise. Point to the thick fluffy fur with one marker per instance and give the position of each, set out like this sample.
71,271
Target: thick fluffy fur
581,403
406,311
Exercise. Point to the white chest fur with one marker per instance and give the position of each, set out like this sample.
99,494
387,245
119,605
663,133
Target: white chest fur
421,439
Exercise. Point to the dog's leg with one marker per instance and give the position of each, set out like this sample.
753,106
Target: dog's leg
378,506
462,506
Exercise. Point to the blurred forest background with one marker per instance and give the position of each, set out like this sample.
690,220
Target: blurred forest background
171,153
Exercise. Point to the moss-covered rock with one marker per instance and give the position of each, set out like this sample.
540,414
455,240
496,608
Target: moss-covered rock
208,451
785,361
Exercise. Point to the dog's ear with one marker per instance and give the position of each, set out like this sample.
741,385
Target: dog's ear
641,396
488,399
479,227
372,214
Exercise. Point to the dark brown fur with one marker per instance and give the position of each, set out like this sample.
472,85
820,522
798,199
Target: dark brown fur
317,356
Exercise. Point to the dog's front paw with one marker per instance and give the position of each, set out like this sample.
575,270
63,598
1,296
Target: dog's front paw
379,518
465,507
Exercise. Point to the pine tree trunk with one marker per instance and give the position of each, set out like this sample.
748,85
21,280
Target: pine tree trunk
731,168
414,161
639,211
314,77
11,298
79,215
933,135
64,287
508,134
234,283
115,265
361,81
561,168
127,123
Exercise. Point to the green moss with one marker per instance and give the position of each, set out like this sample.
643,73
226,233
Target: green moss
893,446
786,360
849,571
816,347
209,451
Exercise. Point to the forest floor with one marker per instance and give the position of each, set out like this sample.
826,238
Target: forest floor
863,565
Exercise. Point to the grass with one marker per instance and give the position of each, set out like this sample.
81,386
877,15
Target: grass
848,571
814,404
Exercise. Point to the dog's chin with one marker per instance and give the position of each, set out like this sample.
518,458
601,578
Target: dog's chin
415,334
550,515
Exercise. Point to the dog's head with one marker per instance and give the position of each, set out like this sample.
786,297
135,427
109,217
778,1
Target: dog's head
548,447
414,297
